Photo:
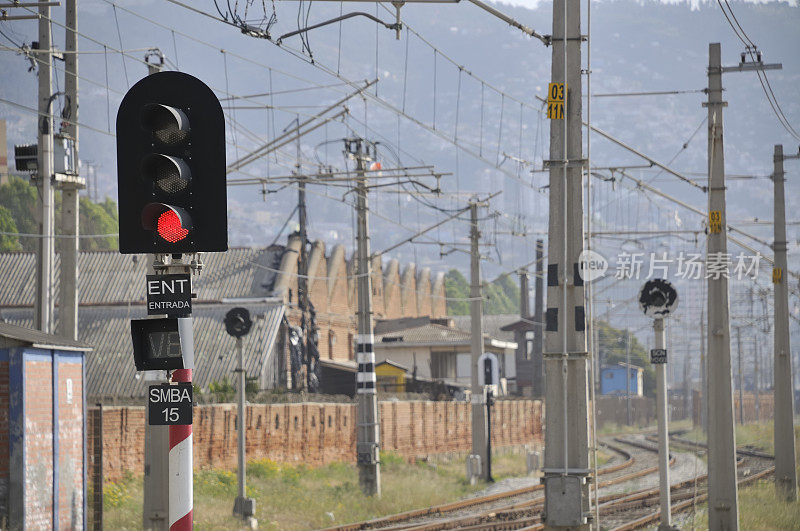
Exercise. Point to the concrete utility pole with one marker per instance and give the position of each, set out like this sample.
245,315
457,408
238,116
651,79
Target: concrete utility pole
686,392
43,316
367,441
479,426
703,375
628,376
524,295
566,470
302,265
756,357
785,472
739,370
723,506
757,376
662,410
68,300
538,317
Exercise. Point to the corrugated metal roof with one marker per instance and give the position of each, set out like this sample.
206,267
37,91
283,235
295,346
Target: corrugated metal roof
491,324
39,338
110,372
107,277
429,333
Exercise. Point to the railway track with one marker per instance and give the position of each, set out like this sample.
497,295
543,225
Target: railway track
521,509
512,509
636,512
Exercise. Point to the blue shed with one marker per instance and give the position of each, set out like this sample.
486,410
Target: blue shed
612,379
42,430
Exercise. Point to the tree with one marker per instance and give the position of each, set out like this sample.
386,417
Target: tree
8,242
611,349
20,200
500,296
456,287
98,218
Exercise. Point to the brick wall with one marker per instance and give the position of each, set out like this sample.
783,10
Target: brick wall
70,449
39,444
766,406
314,433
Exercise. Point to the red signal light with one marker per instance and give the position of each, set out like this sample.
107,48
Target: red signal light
169,227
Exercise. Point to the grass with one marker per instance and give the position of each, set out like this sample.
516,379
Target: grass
759,507
753,435
301,497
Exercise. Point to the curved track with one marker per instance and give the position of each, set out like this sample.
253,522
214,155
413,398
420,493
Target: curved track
626,515
622,511
512,509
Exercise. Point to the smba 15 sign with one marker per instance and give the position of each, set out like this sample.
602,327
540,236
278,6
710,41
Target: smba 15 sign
170,404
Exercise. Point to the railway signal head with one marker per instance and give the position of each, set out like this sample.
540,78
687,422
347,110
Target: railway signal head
658,298
238,322
171,167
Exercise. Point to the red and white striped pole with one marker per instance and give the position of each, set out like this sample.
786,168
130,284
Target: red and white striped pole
181,493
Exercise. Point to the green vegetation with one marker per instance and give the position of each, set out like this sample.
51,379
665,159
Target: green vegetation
757,435
18,204
302,497
500,295
611,345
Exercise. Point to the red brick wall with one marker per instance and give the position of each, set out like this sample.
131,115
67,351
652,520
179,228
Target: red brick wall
39,444
316,433
70,447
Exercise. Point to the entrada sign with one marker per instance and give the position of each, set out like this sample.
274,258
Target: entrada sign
169,295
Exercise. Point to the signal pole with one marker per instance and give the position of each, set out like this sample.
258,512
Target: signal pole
566,471
479,427
43,316
367,440
662,410
785,472
723,507
155,498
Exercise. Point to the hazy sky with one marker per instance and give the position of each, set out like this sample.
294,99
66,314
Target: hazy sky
533,4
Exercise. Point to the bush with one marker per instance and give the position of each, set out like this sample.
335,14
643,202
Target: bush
215,482
263,468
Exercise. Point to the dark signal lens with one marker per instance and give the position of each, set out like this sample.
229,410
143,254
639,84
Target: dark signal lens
169,227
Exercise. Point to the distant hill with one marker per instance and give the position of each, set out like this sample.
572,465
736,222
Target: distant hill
636,46
501,296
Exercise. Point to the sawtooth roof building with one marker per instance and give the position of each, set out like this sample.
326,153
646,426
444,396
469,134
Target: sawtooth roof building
264,280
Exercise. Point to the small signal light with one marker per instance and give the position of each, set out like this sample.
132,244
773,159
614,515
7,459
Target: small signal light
169,227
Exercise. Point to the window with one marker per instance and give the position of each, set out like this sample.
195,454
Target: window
331,343
529,344
443,365
352,346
